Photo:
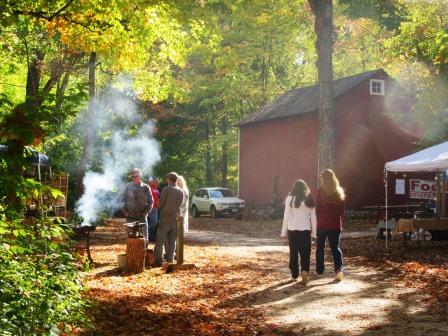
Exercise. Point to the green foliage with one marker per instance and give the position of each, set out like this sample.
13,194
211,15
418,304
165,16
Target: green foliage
40,288
386,12
40,285
420,49
247,56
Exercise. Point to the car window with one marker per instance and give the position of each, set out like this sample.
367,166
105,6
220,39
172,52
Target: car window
219,193
202,193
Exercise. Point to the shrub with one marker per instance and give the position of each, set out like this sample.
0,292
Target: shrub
40,285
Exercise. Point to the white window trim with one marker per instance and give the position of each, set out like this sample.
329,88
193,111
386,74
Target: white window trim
379,81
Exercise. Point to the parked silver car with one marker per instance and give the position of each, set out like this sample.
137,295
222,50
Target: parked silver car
216,201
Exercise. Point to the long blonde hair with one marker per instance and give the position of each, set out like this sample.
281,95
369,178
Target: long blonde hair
331,190
182,184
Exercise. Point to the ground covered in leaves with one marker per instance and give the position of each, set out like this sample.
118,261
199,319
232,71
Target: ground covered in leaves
243,289
203,301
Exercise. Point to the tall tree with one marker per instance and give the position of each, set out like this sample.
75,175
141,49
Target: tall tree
89,129
323,25
250,57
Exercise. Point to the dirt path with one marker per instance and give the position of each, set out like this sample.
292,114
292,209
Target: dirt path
241,287
367,302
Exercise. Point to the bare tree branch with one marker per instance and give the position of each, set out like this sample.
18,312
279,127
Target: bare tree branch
63,8
43,15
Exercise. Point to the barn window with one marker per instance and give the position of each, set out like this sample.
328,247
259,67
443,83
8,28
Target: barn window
377,87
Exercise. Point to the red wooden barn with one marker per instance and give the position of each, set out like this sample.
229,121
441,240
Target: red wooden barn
280,139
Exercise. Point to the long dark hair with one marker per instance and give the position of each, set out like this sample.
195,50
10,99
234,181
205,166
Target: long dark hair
301,193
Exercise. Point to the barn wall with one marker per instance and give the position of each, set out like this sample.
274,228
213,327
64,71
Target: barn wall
287,147
366,138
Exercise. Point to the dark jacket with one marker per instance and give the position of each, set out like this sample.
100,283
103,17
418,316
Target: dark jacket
137,200
169,205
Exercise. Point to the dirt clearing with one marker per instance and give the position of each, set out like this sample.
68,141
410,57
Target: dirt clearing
242,287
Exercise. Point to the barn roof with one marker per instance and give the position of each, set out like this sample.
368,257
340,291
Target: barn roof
304,100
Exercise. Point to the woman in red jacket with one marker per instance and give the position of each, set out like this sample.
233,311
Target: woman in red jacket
330,204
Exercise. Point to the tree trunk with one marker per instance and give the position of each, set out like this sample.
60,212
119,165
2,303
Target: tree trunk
60,91
225,153
208,169
135,255
89,129
33,75
323,25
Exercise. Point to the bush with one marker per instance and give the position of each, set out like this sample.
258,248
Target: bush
40,285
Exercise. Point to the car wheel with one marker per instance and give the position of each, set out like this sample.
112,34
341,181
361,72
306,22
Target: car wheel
194,211
213,212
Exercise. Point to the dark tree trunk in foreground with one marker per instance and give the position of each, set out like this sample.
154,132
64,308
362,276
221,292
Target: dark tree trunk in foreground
33,75
208,155
89,127
323,25
22,126
225,153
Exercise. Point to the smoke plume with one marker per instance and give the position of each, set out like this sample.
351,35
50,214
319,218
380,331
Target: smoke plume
125,142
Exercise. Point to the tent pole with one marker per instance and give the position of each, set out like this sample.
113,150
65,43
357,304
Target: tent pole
443,193
385,186
438,195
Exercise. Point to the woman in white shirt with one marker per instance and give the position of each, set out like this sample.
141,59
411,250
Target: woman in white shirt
299,225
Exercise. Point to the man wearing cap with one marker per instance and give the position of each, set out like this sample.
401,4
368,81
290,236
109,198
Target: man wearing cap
153,218
137,198
169,209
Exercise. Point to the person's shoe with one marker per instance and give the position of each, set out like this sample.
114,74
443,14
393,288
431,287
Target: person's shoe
304,278
293,279
339,276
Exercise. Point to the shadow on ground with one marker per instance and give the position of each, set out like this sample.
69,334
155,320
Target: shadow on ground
240,289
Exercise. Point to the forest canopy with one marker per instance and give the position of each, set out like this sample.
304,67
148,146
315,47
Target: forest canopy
198,68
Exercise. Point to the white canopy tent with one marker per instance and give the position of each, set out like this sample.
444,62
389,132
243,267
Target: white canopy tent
432,159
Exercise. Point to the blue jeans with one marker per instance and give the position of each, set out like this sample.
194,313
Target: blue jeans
334,240
153,219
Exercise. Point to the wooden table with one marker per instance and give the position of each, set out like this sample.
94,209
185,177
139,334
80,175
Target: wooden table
415,224
375,210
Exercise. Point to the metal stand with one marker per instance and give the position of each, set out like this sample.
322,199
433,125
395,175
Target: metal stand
385,186
84,232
